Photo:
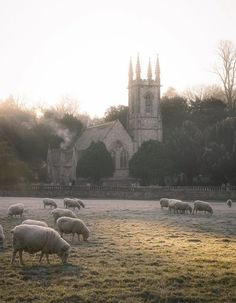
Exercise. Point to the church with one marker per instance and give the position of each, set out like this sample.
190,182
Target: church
144,123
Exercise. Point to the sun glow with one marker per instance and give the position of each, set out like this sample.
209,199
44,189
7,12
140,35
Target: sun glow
56,48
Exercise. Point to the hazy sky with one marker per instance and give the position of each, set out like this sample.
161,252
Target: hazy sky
82,48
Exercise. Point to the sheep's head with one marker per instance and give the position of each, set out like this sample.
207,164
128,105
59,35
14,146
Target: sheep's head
210,210
85,235
64,253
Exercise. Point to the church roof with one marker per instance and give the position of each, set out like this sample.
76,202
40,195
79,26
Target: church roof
94,133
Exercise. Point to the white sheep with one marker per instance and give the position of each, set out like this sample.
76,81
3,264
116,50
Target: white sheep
164,202
80,202
72,226
15,210
172,203
35,222
182,207
33,238
49,202
202,206
229,203
60,212
73,203
2,236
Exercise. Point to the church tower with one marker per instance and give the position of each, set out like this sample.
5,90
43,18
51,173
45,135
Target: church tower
144,115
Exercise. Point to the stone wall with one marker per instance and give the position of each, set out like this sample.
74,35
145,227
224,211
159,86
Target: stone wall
131,193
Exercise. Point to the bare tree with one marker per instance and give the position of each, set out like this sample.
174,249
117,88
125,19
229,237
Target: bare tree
226,70
67,105
202,92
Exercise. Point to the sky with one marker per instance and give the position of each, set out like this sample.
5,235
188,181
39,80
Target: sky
50,49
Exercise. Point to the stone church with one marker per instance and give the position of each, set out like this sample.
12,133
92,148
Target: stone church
144,123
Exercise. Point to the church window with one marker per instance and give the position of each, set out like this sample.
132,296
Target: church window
148,102
123,159
138,106
113,156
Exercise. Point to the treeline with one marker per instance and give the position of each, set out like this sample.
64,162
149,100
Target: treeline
199,141
26,135
198,148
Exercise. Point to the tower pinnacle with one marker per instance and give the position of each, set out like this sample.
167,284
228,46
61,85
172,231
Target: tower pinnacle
149,73
130,71
138,69
157,71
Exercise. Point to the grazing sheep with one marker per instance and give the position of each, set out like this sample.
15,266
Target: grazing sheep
164,202
2,236
33,238
60,212
35,222
49,202
202,206
172,204
73,203
15,210
182,207
72,226
80,202
229,203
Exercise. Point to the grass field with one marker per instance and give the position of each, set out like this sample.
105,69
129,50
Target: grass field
136,253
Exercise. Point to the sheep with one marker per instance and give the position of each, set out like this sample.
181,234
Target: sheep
202,206
80,202
164,202
172,204
71,203
72,226
33,238
49,202
35,222
16,209
182,207
229,203
60,212
2,236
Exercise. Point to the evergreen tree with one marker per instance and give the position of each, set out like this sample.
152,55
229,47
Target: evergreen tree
95,163
150,163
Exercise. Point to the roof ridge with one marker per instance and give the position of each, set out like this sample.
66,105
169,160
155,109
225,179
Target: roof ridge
103,124
114,122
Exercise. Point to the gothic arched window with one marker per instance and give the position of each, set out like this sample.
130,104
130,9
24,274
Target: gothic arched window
123,159
113,156
148,102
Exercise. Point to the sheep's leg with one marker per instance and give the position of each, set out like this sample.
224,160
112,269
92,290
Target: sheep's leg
21,259
13,256
47,259
41,257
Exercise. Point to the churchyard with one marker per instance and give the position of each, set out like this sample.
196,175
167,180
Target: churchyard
136,253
